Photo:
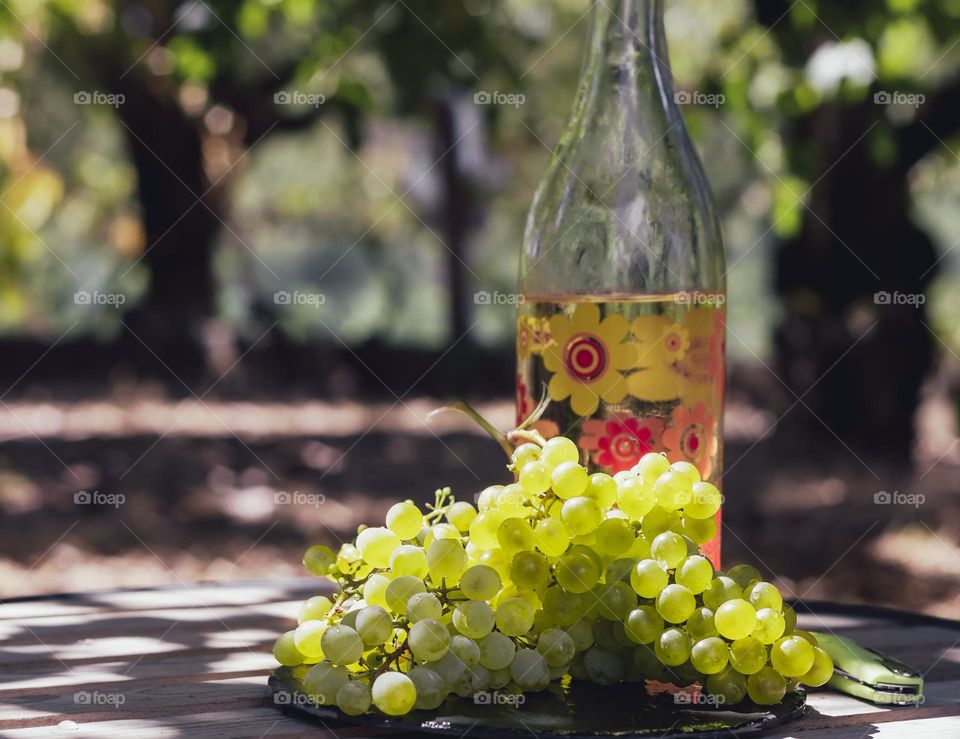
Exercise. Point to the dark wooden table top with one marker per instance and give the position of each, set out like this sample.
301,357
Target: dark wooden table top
193,661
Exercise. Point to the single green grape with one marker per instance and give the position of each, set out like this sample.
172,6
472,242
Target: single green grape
399,592
430,688
393,693
314,608
342,645
744,575
497,559
318,560
789,620
603,666
535,477
323,681
673,490
353,698
614,537
705,501
603,489
700,531
792,656
735,619
377,544
529,570
648,578
634,498
563,607
651,466
515,535
447,560
460,515
619,570
569,480
577,572
374,625
709,655
581,515
529,670
449,667
582,634
558,450
514,617
766,687
616,600
525,453
657,520
820,671
439,531
672,647
557,647
496,651
676,604
720,590
422,606
375,590
487,498
643,625
285,650
429,640
552,537
466,649
405,520
480,582
764,595
474,619
669,549
748,655
695,573
307,638
409,560
700,624
770,625
688,469
728,687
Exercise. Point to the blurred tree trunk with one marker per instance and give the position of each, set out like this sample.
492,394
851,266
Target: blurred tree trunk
861,357
181,216
455,214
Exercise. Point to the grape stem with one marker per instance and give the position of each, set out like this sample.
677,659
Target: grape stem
496,434
390,658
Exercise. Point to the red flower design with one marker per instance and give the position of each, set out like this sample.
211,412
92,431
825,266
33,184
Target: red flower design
524,403
618,443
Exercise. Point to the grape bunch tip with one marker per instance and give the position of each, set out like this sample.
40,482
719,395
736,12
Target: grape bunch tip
561,572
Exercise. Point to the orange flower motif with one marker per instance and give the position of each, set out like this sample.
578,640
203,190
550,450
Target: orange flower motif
675,342
617,444
548,429
692,437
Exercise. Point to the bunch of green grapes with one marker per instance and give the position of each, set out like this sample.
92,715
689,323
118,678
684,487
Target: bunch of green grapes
561,572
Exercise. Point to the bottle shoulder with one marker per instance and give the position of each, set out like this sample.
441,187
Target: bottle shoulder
623,208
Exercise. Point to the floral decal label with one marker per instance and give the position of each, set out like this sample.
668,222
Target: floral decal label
626,378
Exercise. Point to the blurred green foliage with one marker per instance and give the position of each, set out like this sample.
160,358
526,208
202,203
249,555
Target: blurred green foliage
347,203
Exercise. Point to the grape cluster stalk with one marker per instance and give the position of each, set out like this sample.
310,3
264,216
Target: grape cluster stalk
559,573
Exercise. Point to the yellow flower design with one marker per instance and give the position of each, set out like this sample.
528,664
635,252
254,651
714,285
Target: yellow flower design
588,358
532,336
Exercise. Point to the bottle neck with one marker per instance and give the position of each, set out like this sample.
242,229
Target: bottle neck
626,73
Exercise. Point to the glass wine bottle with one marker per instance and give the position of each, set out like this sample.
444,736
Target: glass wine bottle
622,322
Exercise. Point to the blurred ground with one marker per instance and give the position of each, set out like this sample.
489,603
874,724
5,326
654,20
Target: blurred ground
231,490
